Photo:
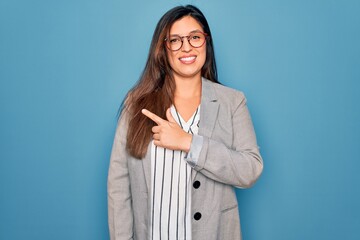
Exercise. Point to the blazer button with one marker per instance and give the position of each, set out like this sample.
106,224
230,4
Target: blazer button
196,184
197,216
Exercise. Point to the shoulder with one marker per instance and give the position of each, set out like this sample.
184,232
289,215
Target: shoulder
226,95
227,92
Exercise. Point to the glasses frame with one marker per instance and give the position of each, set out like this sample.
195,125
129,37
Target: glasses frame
166,40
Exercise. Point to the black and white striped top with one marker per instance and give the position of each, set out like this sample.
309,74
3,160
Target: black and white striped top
171,188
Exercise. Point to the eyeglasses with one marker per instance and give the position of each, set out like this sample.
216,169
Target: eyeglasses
195,39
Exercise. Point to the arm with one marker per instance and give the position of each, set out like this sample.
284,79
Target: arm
240,165
120,214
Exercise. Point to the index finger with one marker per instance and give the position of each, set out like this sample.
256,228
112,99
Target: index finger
153,116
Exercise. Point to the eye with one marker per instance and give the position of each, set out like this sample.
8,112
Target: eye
196,37
174,40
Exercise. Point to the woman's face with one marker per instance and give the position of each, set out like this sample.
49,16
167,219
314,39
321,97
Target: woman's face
188,61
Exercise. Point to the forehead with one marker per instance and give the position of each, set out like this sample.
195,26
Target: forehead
185,25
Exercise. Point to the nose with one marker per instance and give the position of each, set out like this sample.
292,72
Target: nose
186,47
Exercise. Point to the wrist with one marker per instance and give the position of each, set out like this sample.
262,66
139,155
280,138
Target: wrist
186,142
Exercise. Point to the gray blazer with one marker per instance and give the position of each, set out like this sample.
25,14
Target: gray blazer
229,158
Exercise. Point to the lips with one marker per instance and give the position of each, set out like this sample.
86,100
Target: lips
187,59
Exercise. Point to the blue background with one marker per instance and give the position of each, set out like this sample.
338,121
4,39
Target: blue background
65,67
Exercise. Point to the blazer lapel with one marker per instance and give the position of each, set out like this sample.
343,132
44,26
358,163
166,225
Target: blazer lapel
209,109
208,112
147,167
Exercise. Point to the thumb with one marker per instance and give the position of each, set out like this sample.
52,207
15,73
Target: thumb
169,116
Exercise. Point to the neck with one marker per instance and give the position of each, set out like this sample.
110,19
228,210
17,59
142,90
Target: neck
188,88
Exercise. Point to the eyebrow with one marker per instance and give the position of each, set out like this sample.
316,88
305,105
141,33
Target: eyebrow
193,31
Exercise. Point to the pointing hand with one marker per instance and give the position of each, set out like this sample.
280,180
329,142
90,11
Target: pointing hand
168,134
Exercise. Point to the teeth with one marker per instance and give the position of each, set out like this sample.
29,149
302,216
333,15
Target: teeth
187,58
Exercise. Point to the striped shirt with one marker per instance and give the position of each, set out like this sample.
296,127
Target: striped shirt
171,187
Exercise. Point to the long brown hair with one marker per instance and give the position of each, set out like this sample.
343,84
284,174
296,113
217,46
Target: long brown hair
156,86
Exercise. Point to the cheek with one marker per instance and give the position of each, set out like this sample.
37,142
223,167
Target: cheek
203,54
171,58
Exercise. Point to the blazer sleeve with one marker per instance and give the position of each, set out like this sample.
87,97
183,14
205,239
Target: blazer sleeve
239,165
120,213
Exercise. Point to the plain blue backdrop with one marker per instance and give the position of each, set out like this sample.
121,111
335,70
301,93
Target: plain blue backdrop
65,67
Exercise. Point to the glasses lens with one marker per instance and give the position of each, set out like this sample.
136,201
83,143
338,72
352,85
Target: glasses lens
174,43
197,39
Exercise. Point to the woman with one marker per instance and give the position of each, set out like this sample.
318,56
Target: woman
183,142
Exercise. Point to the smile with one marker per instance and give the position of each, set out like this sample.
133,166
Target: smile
187,60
